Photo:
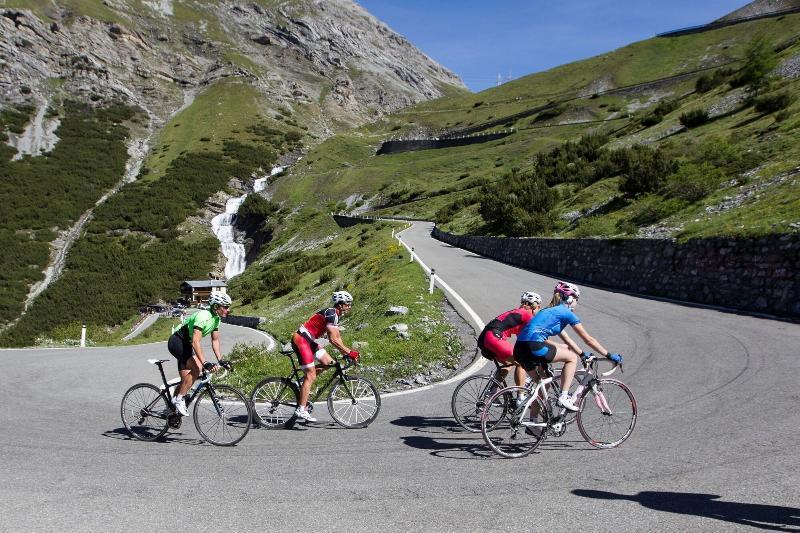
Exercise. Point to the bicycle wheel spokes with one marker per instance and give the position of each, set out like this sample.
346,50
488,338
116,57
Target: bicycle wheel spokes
274,401
607,416
354,402
469,399
144,412
222,416
521,431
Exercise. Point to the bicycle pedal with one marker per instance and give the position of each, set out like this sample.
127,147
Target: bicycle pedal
174,421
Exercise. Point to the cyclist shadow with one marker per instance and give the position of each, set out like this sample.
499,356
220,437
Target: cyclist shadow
773,517
433,424
168,438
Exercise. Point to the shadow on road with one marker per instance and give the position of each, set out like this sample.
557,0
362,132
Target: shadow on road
168,438
424,424
772,517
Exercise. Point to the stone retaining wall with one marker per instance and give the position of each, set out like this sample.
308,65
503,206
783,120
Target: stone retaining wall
755,275
246,321
397,147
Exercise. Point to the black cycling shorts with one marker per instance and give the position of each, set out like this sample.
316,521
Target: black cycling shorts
181,349
531,354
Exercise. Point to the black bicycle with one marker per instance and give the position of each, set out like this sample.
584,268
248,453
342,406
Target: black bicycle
354,402
222,414
470,396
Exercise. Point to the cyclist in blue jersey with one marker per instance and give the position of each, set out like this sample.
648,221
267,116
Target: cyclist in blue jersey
184,345
533,347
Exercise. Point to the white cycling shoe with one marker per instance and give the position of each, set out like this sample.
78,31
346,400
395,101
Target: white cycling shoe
305,415
180,407
567,403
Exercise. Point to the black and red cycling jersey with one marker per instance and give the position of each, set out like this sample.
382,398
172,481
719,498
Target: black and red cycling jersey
316,326
509,323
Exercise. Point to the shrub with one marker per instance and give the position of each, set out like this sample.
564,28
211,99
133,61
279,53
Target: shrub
760,60
327,274
518,205
694,118
721,153
692,182
663,108
774,102
706,82
646,169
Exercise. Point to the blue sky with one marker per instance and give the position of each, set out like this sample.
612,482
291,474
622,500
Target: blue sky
479,39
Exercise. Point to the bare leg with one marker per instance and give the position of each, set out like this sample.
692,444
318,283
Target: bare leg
188,376
305,388
570,360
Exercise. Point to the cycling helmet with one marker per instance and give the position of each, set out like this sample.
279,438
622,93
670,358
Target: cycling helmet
569,293
219,298
342,297
530,297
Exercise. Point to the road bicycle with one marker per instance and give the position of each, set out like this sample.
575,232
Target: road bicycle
470,396
222,414
353,402
606,413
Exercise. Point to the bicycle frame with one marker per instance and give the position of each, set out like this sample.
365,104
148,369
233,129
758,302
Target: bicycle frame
587,383
204,381
339,373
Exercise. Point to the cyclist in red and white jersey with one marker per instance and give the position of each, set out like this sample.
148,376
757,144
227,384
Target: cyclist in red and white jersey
494,340
304,344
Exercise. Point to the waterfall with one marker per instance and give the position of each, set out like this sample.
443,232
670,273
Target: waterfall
222,225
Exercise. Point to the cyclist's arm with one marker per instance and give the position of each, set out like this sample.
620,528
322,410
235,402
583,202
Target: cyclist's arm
199,357
571,343
335,336
215,345
588,339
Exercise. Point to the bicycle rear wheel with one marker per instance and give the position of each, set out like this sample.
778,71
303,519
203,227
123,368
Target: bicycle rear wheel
354,402
145,411
521,431
469,399
607,414
274,401
222,415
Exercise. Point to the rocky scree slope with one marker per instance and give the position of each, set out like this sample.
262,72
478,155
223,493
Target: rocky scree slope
332,57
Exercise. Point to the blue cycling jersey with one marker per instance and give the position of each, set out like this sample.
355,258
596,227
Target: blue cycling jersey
548,322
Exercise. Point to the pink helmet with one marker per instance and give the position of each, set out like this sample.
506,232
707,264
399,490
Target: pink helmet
567,289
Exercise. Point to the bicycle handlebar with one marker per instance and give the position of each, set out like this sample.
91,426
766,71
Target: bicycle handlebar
592,357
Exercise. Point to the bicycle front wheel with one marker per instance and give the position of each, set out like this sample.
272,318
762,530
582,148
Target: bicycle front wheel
222,415
274,402
607,414
145,411
521,431
354,402
469,399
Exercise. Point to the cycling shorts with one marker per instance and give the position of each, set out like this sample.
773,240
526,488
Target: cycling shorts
492,346
181,349
307,349
531,354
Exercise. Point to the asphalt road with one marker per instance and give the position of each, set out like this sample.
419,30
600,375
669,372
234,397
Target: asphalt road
715,447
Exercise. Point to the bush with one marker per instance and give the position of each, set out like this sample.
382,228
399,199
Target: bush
663,108
706,82
774,102
693,182
646,169
518,205
721,153
760,60
694,118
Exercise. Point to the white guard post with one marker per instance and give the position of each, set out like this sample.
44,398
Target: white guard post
83,335
433,279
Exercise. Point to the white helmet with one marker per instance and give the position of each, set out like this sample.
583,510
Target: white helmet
530,297
219,298
342,297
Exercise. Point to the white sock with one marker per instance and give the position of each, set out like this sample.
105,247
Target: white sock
564,394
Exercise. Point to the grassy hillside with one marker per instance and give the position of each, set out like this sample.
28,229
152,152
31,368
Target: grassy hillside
633,96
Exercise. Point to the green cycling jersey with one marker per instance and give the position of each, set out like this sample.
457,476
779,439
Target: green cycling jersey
203,320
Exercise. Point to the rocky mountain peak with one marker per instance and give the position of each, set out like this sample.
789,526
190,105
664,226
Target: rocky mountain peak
330,55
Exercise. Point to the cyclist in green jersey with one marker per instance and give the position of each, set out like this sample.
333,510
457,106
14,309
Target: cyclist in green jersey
184,345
